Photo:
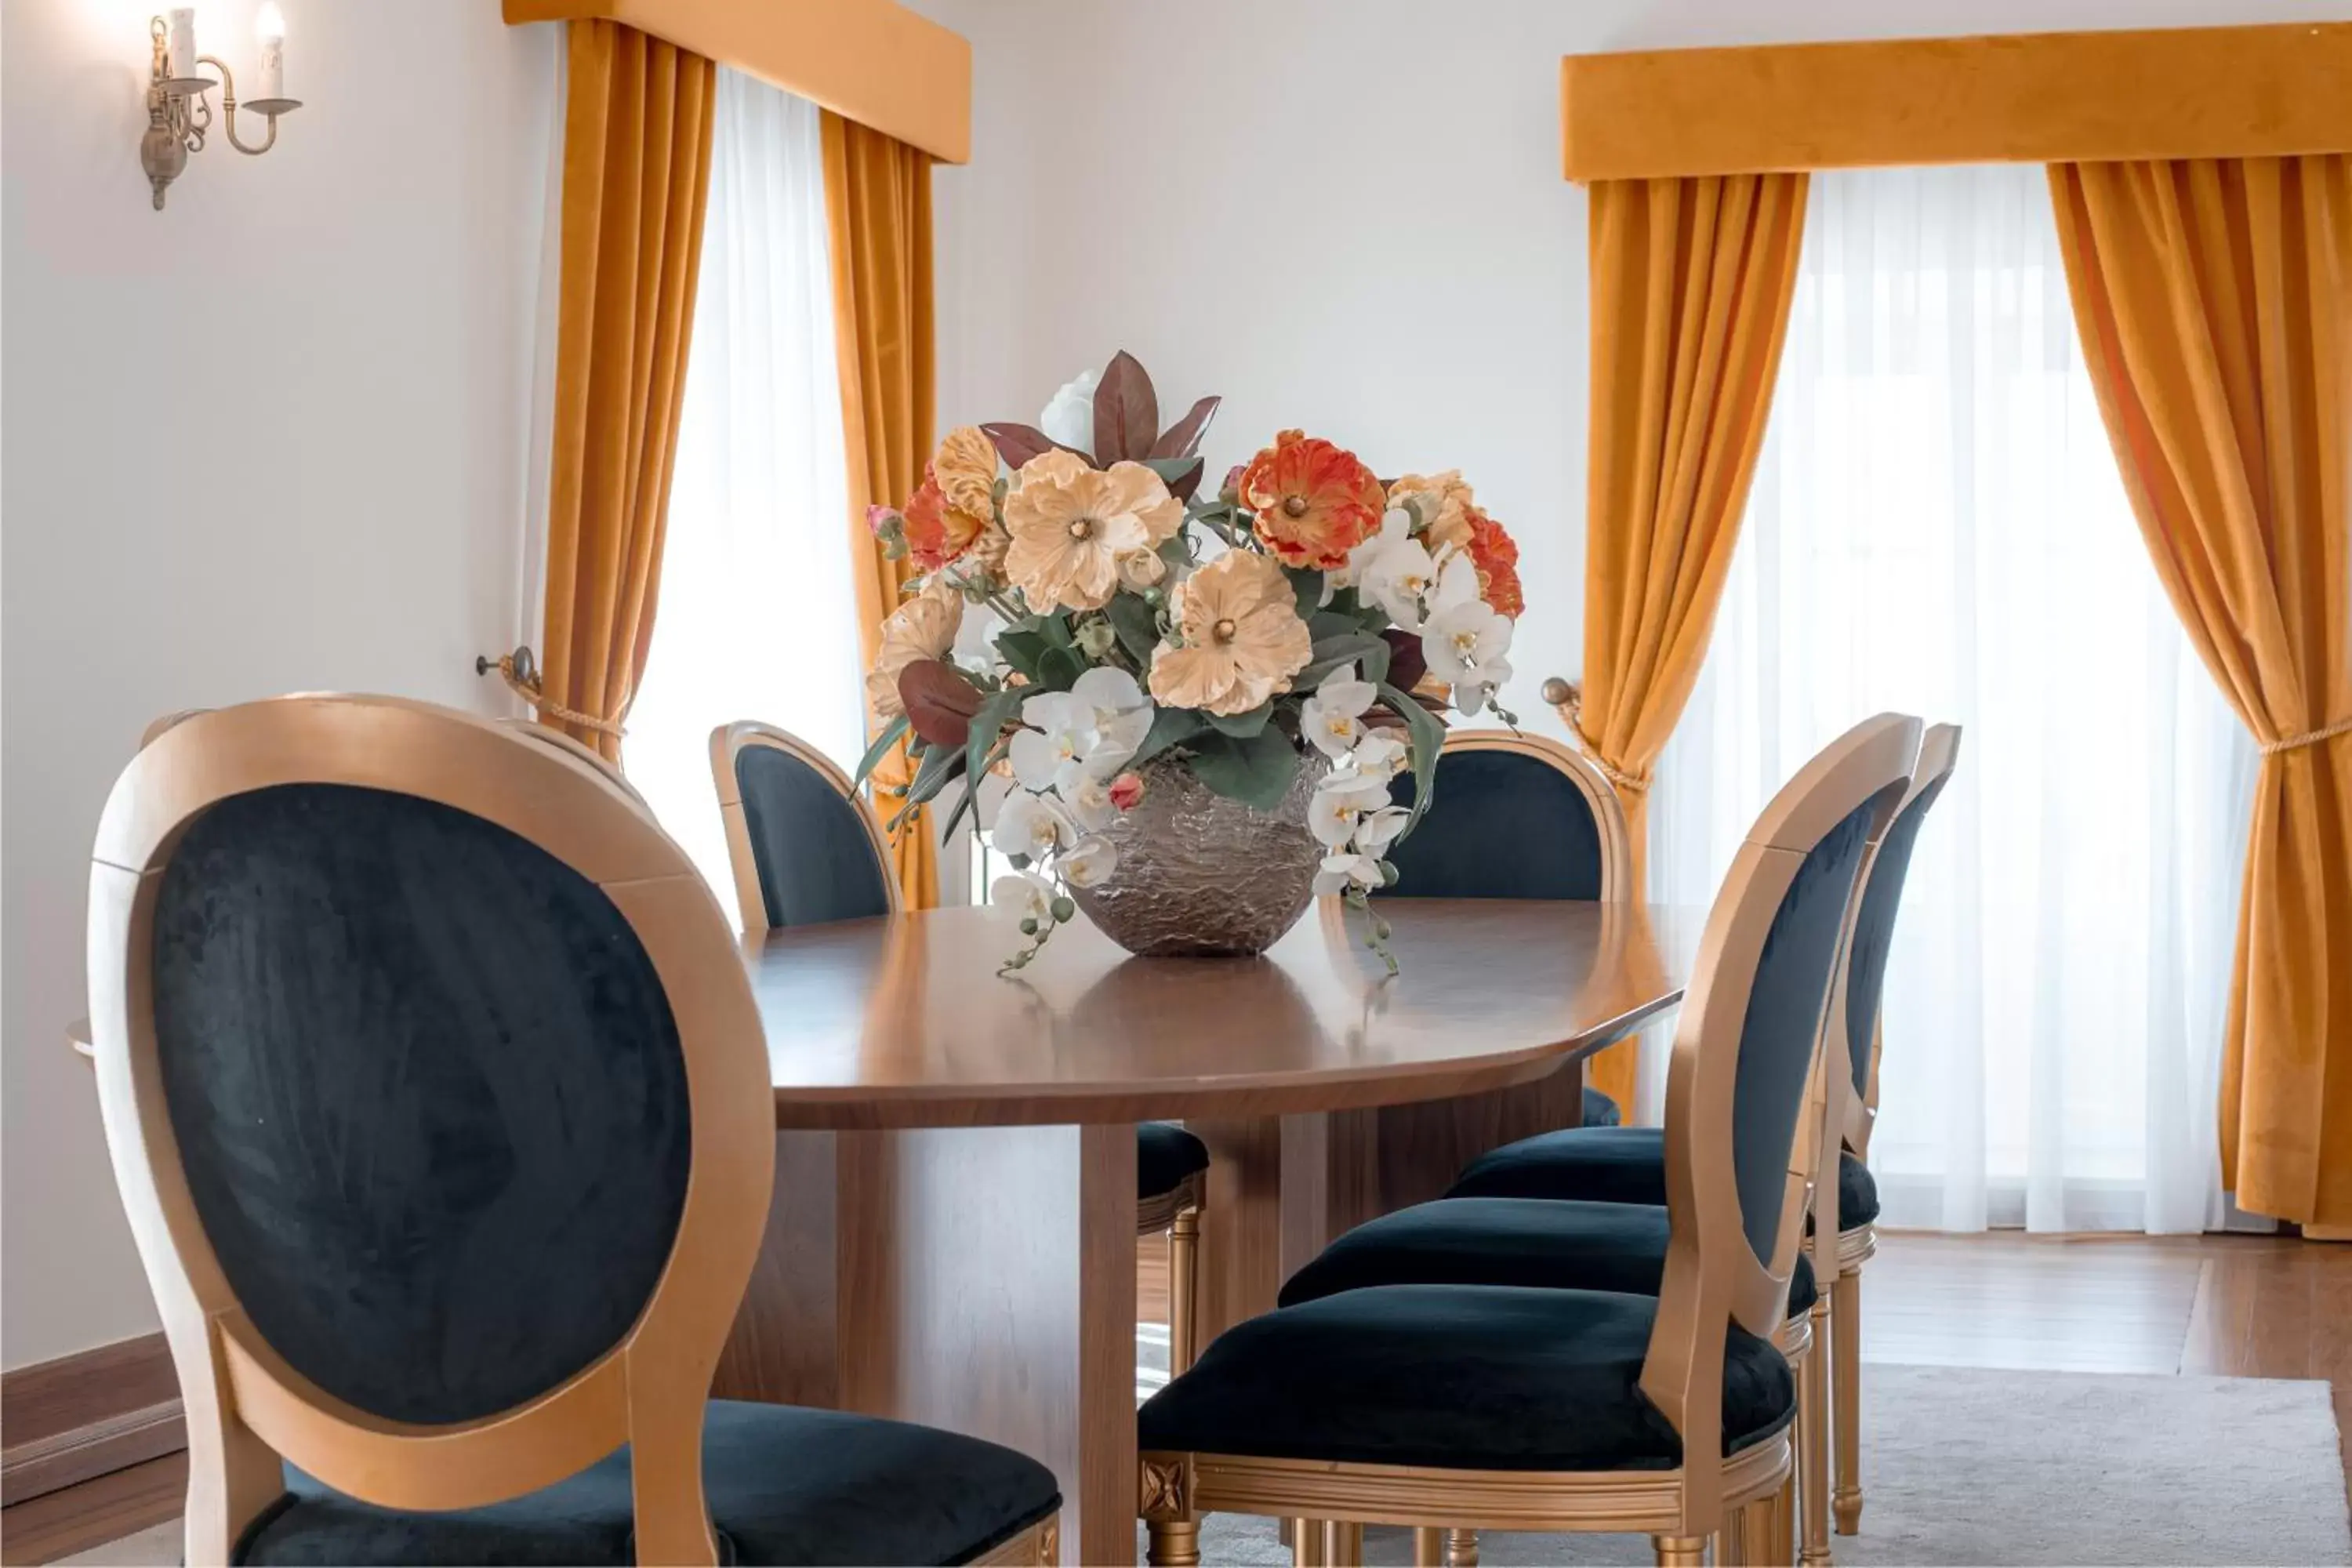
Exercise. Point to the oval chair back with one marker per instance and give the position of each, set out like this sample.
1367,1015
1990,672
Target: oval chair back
439,1103
1514,816
804,844
1745,1048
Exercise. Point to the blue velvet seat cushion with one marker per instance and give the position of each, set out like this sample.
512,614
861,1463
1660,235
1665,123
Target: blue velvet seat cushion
1461,1376
1618,1165
784,1485
1550,1243
1600,1110
1164,1155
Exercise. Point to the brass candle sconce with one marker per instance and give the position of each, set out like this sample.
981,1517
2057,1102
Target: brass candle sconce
179,116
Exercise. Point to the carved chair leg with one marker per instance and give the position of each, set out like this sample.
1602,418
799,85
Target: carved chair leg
1172,1543
1461,1549
1845,1335
1307,1544
1183,1267
1343,1544
1731,1541
1428,1547
1680,1551
1813,1445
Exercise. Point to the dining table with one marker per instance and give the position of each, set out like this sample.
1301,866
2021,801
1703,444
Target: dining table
952,1237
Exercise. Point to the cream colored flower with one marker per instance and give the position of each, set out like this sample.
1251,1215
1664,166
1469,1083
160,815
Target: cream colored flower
1071,523
1243,640
965,466
1444,500
925,627
1142,569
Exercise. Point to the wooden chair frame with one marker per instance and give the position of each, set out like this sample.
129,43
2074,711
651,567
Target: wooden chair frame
246,1406
1608,811
1712,1277
728,743
1847,1120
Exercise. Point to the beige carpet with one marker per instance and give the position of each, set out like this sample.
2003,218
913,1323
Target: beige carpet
1975,1466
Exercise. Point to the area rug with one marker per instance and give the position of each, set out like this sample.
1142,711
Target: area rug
1977,1467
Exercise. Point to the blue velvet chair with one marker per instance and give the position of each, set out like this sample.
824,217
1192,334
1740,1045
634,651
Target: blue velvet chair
1517,816
805,848
438,1099
1521,1404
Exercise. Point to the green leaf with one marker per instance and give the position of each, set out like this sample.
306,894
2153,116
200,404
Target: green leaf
891,735
987,725
1021,650
1325,623
940,764
1136,626
1059,667
1241,725
1170,726
1349,648
1171,470
1307,588
1055,630
1256,770
1428,739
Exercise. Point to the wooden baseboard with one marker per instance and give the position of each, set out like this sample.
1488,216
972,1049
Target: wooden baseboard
68,1420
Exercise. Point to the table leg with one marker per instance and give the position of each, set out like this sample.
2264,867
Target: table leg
1271,1195
978,1280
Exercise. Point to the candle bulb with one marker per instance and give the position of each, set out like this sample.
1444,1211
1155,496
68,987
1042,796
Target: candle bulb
270,23
181,47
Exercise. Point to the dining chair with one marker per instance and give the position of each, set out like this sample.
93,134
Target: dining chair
805,848
1851,1084
438,1101
1448,1407
1517,816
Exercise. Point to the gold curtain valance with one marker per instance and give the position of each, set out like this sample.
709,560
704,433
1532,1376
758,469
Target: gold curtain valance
872,62
2037,97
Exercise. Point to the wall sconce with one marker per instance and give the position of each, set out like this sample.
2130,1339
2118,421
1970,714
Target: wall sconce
179,115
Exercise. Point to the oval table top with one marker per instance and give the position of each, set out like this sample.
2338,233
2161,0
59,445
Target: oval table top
902,1021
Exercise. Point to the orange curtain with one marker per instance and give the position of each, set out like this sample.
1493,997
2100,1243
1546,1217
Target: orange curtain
1691,284
636,179
2214,300
878,200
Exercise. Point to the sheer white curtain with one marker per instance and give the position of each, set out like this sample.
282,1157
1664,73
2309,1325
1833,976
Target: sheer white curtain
1938,526
757,618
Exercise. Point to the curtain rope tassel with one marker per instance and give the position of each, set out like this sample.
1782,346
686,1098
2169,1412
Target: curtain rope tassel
520,670
2296,742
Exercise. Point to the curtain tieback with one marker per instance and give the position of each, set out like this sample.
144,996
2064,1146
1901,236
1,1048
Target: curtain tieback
2296,742
1567,697
520,670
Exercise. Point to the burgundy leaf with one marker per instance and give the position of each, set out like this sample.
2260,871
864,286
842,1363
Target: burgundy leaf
1127,411
1183,438
1016,443
939,700
1407,663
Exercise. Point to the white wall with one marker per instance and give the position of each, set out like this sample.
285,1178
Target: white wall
1345,214
268,439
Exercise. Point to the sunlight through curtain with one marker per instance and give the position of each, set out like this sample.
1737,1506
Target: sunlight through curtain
1938,525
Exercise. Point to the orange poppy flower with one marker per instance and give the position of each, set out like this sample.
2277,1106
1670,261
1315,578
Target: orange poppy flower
1495,554
1314,501
936,533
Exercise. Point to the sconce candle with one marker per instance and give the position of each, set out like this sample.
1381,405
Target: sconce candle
183,41
270,24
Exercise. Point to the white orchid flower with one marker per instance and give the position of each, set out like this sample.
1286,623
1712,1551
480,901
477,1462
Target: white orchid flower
1491,675
1457,580
1032,825
1396,523
1070,417
1398,577
1088,863
1379,829
1332,719
989,796
1466,642
1381,755
1090,804
1023,895
1340,873
1118,712
1339,806
1051,755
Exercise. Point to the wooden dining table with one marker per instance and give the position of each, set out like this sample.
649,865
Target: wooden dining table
952,1238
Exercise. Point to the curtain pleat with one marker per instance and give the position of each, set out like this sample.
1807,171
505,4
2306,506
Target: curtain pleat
2214,300
637,177
877,195
1691,283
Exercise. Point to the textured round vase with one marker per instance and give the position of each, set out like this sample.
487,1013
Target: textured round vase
1201,876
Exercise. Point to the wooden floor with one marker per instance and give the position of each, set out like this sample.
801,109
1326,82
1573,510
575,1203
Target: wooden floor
2228,1306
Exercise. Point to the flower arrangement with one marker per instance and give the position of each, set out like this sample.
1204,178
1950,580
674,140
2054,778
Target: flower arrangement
1282,622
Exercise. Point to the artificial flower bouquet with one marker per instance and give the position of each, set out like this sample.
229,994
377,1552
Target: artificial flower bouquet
1282,622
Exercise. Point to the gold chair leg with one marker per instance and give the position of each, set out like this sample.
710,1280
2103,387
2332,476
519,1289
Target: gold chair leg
1680,1551
1307,1544
1343,1544
1172,1543
1846,1381
1731,1541
1428,1546
1461,1549
1764,1534
1183,1291
1813,1445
